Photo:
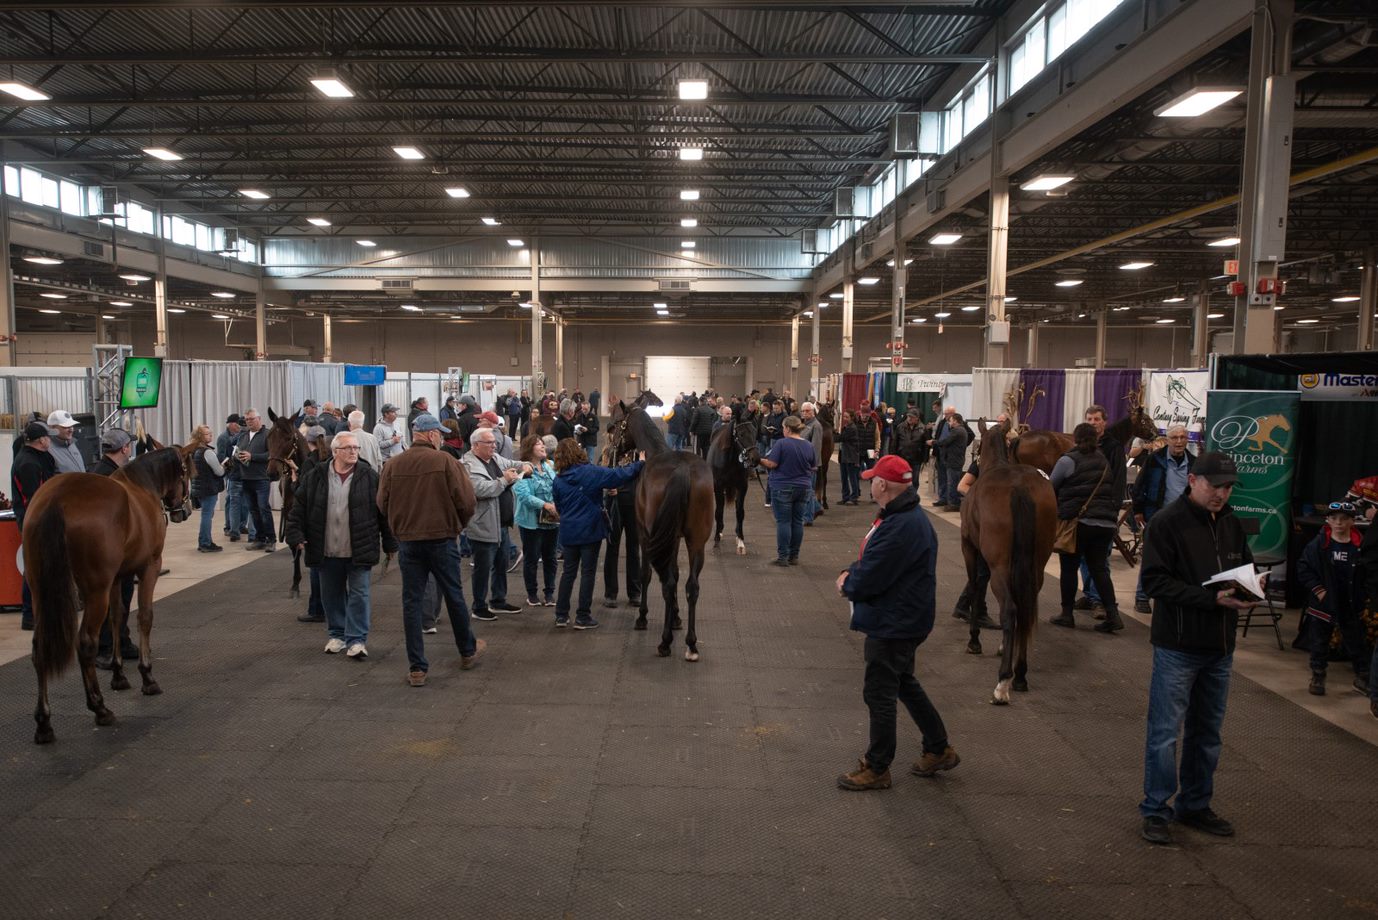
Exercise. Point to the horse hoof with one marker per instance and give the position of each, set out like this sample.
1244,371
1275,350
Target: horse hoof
741,548
640,623
152,689
1020,686
663,651
119,682
996,701
973,648
691,655
105,717
44,735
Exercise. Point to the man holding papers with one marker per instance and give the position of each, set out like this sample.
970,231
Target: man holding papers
1191,541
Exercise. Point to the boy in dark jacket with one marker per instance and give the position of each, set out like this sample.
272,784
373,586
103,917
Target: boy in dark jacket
892,590
1328,571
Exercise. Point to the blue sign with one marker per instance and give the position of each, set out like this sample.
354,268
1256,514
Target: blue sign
365,375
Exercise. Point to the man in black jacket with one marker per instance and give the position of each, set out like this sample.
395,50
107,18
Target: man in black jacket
336,518
251,457
33,466
702,426
1114,455
1191,541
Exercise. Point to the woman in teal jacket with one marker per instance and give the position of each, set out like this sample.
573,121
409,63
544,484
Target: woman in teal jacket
535,500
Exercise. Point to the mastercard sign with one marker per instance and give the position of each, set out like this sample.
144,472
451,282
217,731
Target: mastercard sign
1338,386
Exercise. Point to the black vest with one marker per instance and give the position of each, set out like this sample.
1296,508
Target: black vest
206,482
1081,483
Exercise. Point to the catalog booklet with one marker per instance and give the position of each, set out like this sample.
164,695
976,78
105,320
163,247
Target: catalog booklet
1246,581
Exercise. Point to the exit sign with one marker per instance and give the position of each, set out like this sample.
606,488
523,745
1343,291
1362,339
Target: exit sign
1231,267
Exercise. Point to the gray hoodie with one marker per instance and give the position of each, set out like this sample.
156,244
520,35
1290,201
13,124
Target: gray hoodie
486,524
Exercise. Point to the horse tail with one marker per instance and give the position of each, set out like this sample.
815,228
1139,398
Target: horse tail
49,575
1023,577
662,543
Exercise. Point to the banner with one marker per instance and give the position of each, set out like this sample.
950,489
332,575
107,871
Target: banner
919,383
1258,429
1179,398
1338,386
365,375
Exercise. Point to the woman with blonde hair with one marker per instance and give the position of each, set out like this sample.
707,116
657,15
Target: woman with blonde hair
208,481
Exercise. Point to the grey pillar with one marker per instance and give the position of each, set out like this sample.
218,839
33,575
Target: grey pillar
848,300
1200,335
1265,182
815,359
260,323
328,345
901,276
997,255
538,384
1031,357
559,353
1368,299
7,319
1101,315
793,353
160,293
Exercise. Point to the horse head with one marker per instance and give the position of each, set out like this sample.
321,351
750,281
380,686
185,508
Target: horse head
286,446
647,398
744,434
994,442
1142,424
826,414
166,472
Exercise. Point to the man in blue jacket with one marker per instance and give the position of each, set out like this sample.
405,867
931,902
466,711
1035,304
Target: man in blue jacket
891,587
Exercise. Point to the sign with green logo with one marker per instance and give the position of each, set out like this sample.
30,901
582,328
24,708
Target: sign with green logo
143,379
1258,429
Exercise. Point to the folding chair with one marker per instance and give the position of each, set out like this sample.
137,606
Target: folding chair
1250,526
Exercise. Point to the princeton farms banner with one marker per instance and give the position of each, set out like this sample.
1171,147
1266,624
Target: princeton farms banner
1258,429
1179,398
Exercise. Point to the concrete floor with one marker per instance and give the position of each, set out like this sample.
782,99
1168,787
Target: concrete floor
575,774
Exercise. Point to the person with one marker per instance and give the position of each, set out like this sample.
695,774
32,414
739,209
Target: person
813,433
939,472
329,419
206,485
909,443
792,467
677,427
1160,483
950,445
595,400
515,408
237,518
33,466
586,427
869,428
620,507
388,434
537,520
307,410
892,589
115,447
1327,570
427,500
447,411
849,457
1082,481
1193,636
251,456
467,419
577,493
368,445
419,405
63,445
772,425
336,520
1114,455
564,422
492,478
704,422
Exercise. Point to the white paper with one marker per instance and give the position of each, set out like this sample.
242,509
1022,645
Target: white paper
1244,579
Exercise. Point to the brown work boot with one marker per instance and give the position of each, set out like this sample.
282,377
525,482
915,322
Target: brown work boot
468,661
931,764
864,779
416,678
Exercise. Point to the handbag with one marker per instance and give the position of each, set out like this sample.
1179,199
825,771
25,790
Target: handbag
548,518
1065,540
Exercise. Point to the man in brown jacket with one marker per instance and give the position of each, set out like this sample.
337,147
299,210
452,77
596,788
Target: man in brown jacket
427,499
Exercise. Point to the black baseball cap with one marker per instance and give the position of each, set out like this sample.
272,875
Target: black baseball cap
1218,468
36,430
235,419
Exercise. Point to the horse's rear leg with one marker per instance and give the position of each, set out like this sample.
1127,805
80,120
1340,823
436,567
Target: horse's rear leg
117,614
741,535
691,591
92,619
645,587
669,590
969,556
42,714
148,578
1001,697
719,501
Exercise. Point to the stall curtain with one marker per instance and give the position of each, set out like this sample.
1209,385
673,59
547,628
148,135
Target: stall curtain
1047,409
1113,388
958,393
1080,393
1324,468
853,391
988,388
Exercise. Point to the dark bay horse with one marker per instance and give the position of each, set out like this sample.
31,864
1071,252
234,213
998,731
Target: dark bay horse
1041,449
83,534
286,461
732,455
674,502
826,413
1009,519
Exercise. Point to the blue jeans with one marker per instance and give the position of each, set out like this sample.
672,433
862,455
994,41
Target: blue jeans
490,570
851,481
676,441
581,559
237,510
1192,688
256,491
949,477
314,605
344,591
438,559
787,503
539,549
204,537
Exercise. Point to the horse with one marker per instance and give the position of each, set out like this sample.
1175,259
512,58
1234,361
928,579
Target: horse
1263,433
1041,449
286,459
674,501
732,454
826,414
83,534
1009,519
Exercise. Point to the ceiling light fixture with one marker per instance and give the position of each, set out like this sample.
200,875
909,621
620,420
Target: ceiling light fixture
120,303
1119,309
457,191
1163,322
1227,241
970,309
661,306
891,263
662,313
1307,322
492,222
807,313
408,152
691,153
515,244
822,305
688,244
1070,282
944,239
45,310
688,222
23,91
42,260
318,221
1045,183
942,315
162,153
175,310
254,194
1177,299
224,295
367,244
1344,298
131,276
1197,101
693,89
220,316
106,316
689,194
1134,266
411,308
1011,299
328,81
836,295
1215,316
920,319
868,280
52,296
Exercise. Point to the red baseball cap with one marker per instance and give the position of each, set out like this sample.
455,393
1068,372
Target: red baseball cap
490,417
892,469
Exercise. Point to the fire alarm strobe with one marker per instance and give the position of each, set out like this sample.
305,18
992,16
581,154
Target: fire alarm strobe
1236,288
1271,286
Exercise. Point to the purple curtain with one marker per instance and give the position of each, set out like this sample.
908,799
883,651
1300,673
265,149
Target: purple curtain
1047,411
1111,389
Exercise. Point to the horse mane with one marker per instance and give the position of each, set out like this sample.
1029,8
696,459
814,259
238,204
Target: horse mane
645,434
994,446
153,470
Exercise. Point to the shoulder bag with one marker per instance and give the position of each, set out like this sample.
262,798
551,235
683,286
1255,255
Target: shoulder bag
1066,539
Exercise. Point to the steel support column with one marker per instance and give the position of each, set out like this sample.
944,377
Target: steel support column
997,255
327,339
901,275
1368,299
260,323
1101,316
7,319
848,301
538,383
1200,333
1031,354
160,293
793,354
815,360
559,322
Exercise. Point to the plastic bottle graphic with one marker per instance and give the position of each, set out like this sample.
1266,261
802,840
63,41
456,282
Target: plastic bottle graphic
141,382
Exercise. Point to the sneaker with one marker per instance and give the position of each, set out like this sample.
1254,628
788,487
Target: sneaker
417,678
253,546
210,548
864,779
270,547
1208,821
234,538
505,607
938,503
516,561
610,603
1085,603
532,602
1142,607
930,764
1317,685
548,602
634,601
357,651
781,561
561,622
485,615
429,631
1155,830
468,661
793,560
1066,620
334,646
585,623
309,618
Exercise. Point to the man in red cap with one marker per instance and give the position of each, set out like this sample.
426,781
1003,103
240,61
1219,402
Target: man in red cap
892,590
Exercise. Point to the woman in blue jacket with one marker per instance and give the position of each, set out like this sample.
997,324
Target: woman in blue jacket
537,519
578,496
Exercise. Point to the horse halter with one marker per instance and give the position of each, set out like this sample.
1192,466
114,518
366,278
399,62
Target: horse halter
745,447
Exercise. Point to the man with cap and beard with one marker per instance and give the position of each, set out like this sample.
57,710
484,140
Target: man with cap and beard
388,433
33,466
63,448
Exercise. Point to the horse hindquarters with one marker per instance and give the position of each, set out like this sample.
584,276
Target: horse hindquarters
54,604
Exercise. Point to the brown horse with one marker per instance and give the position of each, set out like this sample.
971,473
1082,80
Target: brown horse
1009,519
82,535
733,456
1041,449
286,461
826,413
674,502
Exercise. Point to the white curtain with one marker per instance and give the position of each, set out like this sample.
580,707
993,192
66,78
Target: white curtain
1078,393
988,388
957,393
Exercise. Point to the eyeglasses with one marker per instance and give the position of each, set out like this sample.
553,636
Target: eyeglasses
347,448
1344,507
